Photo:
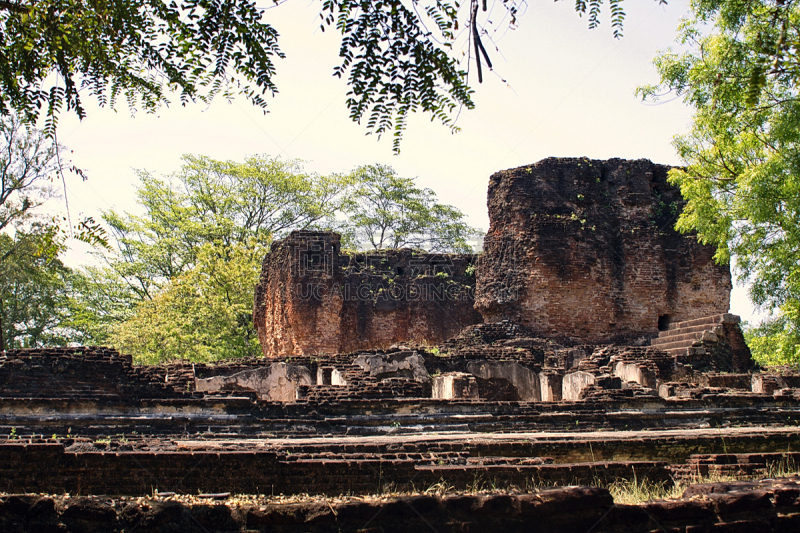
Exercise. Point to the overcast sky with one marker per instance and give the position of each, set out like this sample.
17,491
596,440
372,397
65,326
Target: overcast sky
558,89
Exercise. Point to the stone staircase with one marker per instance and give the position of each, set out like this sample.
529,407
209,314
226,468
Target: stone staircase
679,338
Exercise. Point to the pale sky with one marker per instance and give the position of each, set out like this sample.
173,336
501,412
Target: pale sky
568,91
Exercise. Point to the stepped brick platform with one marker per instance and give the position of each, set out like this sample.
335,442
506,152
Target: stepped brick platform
363,465
276,471
369,424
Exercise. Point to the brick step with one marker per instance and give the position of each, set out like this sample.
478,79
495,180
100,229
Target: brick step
742,458
702,321
667,346
682,331
441,458
678,351
687,337
663,341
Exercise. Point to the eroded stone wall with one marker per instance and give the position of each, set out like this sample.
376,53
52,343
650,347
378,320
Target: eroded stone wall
314,299
585,250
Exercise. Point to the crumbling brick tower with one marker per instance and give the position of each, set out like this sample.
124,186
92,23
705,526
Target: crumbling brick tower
314,299
585,250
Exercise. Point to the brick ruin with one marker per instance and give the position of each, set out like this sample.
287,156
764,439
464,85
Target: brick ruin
578,250
585,250
380,378
314,299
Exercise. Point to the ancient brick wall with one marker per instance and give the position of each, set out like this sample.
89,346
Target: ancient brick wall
87,372
751,506
585,250
314,299
45,467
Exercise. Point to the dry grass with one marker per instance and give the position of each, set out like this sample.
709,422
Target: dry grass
633,491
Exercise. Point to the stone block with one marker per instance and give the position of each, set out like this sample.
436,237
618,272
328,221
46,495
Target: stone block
455,386
637,372
574,382
728,318
403,364
767,383
550,386
277,382
526,381
666,390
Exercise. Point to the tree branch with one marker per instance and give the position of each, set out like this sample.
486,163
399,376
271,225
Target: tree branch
16,8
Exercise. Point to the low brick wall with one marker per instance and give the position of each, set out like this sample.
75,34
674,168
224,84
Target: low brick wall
771,505
48,468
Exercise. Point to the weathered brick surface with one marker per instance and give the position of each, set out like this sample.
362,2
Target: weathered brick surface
569,509
769,506
314,299
585,250
48,468
736,465
367,465
87,372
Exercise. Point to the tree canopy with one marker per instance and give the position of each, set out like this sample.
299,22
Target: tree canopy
388,211
34,287
180,283
742,174
397,56
136,50
28,163
214,202
203,314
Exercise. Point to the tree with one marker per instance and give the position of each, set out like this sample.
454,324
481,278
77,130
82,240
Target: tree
34,284
29,164
28,161
33,291
99,300
215,202
136,50
775,340
203,314
397,56
181,281
388,211
742,174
